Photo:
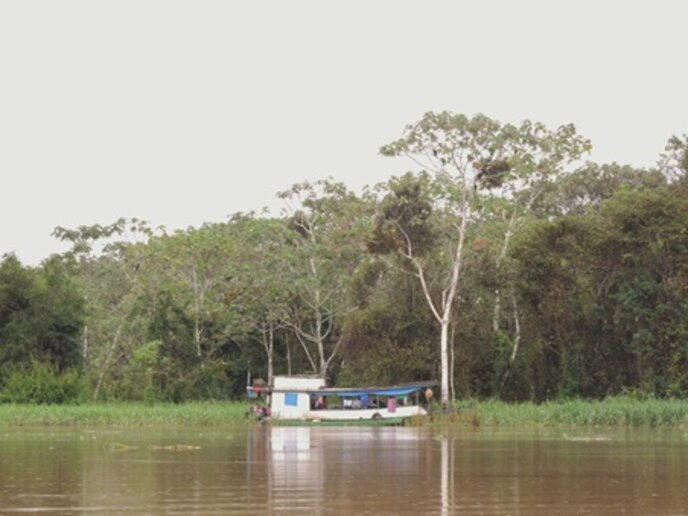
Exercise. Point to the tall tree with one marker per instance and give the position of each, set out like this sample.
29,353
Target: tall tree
109,260
262,265
470,157
591,184
197,293
327,218
673,163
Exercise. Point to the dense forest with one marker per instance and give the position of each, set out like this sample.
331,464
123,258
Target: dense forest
503,265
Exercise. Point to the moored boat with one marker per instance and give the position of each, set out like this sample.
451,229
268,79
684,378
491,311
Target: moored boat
307,399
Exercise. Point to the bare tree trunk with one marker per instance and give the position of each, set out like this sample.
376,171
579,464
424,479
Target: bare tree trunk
269,342
304,346
500,258
84,351
497,309
449,294
517,341
322,369
288,358
269,345
444,362
197,329
106,364
448,297
322,362
85,348
517,329
453,362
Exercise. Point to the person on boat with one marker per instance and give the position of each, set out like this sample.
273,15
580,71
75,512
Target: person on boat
259,412
428,395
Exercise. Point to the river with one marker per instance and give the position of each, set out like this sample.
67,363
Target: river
310,470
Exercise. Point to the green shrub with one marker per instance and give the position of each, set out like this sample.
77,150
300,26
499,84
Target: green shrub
42,383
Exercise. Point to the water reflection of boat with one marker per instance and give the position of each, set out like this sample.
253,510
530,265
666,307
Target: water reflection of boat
307,399
312,470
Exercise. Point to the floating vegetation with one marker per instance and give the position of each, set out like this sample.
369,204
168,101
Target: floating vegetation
119,447
587,438
176,447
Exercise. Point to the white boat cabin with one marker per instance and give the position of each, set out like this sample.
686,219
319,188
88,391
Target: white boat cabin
290,397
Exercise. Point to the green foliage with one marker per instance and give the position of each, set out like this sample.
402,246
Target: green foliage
673,164
41,314
42,384
568,283
606,295
403,218
590,185
138,384
389,335
330,222
486,154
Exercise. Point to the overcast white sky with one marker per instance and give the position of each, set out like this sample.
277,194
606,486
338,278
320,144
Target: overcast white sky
184,112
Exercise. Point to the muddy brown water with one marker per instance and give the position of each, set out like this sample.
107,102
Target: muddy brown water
310,470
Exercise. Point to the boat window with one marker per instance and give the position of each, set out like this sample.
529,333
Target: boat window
291,399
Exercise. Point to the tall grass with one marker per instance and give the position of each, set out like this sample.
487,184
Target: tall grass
615,411
124,414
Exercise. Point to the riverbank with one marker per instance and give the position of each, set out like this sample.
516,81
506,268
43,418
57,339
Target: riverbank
611,412
125,414
621,411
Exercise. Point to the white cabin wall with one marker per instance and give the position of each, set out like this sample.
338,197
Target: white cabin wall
279,409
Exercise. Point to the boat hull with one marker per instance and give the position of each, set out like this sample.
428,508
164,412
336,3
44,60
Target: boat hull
398,421
368,414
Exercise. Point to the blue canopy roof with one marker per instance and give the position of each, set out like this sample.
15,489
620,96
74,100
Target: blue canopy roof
375,391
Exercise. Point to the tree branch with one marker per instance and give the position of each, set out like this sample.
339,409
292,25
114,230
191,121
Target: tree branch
420,273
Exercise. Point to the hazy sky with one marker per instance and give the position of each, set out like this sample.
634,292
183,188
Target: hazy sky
184,112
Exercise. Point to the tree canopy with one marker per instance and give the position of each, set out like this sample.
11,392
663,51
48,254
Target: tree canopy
503,265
